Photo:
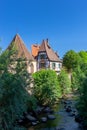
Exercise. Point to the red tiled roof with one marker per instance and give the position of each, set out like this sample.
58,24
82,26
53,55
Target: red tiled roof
22,50
52,56
35,49
42,46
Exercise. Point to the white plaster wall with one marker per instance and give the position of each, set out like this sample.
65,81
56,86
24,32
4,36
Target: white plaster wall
35,66
57,68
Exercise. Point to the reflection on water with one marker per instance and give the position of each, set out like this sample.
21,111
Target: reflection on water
50,124
63,121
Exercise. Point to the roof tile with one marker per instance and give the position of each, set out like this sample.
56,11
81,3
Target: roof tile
22,50
45,47
35,49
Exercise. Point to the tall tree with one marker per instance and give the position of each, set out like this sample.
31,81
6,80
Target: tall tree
14,98
78,76
71,60
64,82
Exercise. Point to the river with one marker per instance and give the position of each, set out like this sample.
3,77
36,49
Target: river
63,121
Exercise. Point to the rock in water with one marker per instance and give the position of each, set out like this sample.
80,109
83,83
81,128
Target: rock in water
31,118
44,119
51,117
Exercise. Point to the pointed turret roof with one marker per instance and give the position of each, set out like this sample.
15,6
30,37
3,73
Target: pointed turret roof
22,50
52,56
43,46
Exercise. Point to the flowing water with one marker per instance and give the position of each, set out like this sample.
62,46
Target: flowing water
63,121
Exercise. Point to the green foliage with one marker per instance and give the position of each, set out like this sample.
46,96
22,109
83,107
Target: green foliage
7,59
0,50
77,64
4,60
78,76
46,87
32,103
71,60
79,82
14,98
82,105
64,82
83,55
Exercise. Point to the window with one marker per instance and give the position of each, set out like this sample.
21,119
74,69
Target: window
53,65
42,65
42,56
59,65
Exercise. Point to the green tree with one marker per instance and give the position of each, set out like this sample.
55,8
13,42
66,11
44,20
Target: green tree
79,82
82,104
64,82
83,55
46,87
14,98
71,60
77,78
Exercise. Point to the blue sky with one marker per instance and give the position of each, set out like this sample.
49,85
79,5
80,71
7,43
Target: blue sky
63,22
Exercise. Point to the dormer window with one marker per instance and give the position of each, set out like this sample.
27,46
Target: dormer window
42,56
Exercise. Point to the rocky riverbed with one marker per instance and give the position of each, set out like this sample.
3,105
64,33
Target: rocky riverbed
63,118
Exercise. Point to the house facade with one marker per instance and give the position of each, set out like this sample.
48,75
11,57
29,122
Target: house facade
47,59
41,56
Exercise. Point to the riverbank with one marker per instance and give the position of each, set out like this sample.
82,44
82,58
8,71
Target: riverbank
64,120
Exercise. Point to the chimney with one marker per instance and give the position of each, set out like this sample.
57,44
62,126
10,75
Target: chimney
47,40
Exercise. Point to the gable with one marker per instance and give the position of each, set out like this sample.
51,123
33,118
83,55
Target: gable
45,47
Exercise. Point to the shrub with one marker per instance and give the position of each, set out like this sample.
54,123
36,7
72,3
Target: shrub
64,82
46,87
